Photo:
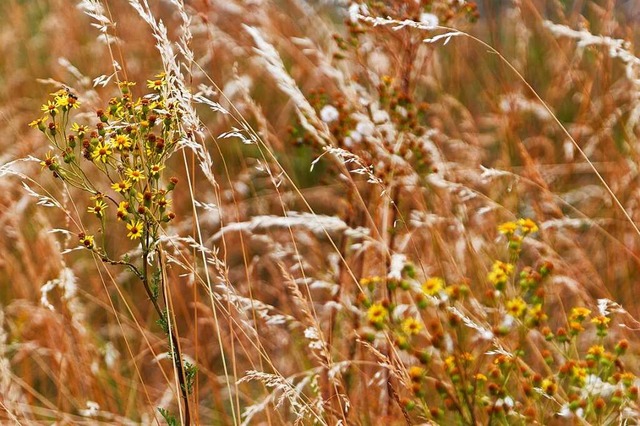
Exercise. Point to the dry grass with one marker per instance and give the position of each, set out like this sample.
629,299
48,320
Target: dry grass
336,166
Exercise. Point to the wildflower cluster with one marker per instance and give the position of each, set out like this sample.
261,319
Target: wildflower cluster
391,111
466,359
119,160
516,231
128,144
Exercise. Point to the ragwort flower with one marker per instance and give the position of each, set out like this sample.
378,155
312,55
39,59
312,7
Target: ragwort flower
135,230
101,152
377,313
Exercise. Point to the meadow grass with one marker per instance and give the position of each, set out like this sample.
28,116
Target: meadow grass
318,212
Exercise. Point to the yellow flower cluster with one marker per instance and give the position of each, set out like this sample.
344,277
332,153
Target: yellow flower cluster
516,231
499,274
525,225
370,281
130,145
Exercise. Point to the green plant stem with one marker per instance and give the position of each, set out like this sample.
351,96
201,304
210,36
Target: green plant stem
176,353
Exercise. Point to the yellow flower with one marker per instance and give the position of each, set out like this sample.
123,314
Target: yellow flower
537,314
575,327
135,230
480,377
123,210
135,175
49,161
39,123
507,228
375,280
125,85
507,268
156,84
579,314
155,169
579,374
62,100
411,326
433,286
87,241
79,128
497,277
528,226
499,273
122,186
596,350
162,202
101,152
549,387
74,102
122,142
49,107
467,357
601,321
416,373
627,378
376,314
98,209
516,307
450,363
116,111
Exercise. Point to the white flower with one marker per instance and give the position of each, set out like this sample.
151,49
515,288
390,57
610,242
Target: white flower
507,402
486,335
565,411
111,355
91,410
429,19
365,128
507,322
380,116
329,114
354,10
595,386
397,264
348,142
